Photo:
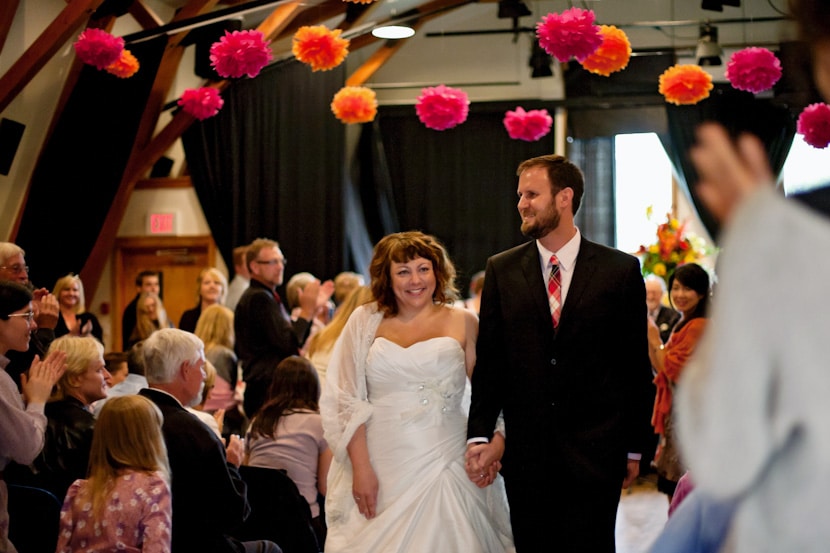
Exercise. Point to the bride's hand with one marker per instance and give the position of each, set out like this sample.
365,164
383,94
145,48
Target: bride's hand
365,490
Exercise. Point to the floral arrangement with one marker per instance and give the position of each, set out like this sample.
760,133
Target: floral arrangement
98,48
355,104
529,126
569,34
674,247
125,66
685,84
753,69
202,102
441,107
814,124
319,47
240,53
612,55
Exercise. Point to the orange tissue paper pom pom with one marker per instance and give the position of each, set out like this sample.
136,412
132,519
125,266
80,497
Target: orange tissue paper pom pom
685,84
612,55
319,47
125,66
355,104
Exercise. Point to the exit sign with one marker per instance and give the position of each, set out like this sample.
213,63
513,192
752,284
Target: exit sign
162,223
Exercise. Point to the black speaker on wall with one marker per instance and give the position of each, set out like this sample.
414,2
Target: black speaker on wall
10,134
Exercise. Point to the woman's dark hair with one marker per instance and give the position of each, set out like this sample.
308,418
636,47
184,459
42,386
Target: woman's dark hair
692,275
13,297
294,386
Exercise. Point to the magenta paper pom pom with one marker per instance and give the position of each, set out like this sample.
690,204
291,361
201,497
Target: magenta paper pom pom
814,124
753,69
201,103
442,107
572,33
240,53
98,48
527,125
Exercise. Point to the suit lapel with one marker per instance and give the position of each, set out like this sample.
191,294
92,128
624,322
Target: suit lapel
583,272
532,271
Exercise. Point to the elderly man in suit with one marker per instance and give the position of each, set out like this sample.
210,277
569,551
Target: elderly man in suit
562,352
664,317
209,497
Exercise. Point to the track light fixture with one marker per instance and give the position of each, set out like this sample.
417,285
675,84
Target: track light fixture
512,9
708,50
540,62
717,5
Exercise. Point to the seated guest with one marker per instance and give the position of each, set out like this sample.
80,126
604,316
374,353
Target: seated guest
70,424
150,316
22,426
124,505
344,283
209,498
74,319
215,329
116,364
287,433
132,383
211,288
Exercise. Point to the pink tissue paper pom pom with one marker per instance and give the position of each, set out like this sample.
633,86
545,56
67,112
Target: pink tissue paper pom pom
240,53
98,48
573,33
527,125
201,103
441,107
814,124
753,69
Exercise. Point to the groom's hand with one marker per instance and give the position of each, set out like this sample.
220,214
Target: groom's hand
482,462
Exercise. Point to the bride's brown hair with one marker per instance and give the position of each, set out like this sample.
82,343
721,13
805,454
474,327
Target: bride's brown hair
406,246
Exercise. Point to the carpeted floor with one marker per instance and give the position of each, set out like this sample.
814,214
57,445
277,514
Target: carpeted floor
641,516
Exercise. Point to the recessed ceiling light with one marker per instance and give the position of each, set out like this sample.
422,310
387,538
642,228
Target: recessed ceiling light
393,31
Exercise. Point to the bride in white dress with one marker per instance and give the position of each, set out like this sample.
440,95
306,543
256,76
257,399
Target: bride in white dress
393,416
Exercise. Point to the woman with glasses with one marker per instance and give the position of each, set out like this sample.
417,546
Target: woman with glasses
22,422
74,319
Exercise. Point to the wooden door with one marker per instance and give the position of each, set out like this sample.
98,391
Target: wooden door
178,259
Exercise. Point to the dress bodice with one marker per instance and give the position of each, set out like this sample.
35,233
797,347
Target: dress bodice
427,377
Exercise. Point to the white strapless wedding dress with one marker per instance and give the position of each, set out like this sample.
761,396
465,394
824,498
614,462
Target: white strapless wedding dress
417,439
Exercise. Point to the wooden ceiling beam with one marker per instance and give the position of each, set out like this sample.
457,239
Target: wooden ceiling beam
7,10
44,47
144,16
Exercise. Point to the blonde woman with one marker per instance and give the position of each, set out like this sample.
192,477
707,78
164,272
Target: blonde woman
150,316
321,344
125,503
74,319
212,287
215,328
69,420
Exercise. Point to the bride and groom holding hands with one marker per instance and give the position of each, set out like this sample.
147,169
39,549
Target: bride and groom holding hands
560,352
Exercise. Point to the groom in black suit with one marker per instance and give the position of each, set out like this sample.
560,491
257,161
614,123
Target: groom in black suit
572,391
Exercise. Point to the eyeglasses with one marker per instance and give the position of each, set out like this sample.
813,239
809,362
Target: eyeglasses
30,315
279,261
16,269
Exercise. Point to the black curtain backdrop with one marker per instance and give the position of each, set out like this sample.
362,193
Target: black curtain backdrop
772,121
270,165
458,184
81,166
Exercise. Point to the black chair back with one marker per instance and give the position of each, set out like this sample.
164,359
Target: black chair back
34,519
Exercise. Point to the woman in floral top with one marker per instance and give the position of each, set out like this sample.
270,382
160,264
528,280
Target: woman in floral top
125,504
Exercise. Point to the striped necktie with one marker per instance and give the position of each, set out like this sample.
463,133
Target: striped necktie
555,291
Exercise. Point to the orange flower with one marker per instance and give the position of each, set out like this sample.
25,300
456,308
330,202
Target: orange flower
355,104
125,66
612,55
319,47
685,84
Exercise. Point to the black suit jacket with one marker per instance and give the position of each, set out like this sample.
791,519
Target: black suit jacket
209,497
666,319
575,401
